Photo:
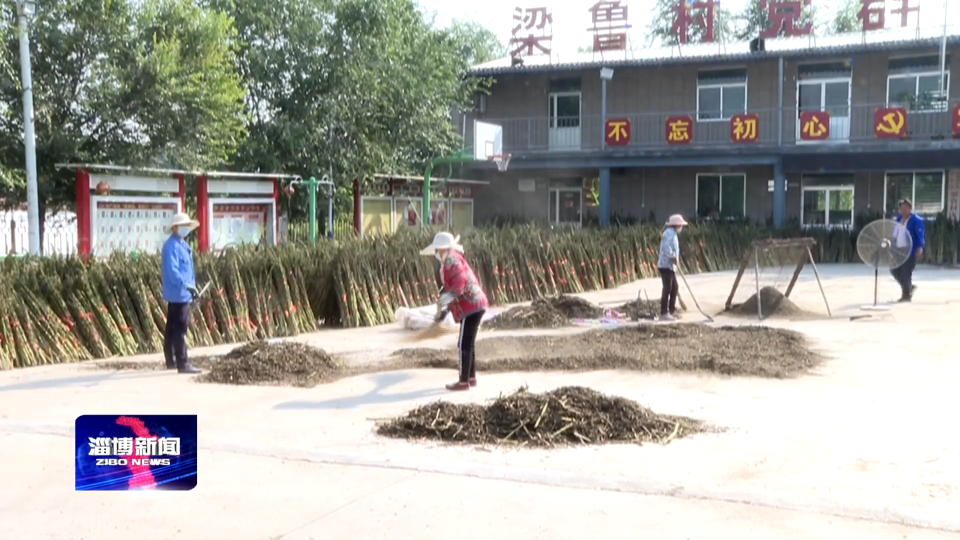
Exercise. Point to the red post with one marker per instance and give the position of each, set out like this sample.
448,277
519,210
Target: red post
276,211
182,191
84,213
357,218
203,214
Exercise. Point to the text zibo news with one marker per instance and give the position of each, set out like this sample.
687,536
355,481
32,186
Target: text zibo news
133,452
143,448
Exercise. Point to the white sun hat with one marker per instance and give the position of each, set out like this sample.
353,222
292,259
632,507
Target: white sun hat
181,220
443,240
675,220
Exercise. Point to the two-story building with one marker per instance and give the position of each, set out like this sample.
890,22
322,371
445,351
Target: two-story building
816,129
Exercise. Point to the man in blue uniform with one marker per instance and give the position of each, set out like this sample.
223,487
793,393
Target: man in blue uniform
179,291
914,226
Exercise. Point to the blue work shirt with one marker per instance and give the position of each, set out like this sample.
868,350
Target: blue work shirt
669,248
917,229
178,273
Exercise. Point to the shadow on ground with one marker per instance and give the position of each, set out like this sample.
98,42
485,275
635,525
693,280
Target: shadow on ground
376,396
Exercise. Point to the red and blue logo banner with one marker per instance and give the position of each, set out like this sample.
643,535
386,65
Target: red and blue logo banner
126,452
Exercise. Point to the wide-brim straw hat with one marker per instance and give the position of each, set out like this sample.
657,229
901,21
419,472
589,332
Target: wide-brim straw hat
181,220
675,220
443,240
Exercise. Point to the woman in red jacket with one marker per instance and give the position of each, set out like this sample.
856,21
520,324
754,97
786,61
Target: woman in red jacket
463,298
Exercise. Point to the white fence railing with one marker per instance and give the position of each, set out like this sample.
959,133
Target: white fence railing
59,235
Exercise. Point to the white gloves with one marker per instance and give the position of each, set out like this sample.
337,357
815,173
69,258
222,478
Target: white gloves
445,300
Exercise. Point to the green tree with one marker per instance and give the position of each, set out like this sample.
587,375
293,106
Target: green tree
119,82
847,18
754,19
482,45
665,15
364,87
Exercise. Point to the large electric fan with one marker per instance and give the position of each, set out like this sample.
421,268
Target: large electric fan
883,244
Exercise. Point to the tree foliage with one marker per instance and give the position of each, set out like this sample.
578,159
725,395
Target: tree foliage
660,29
362,87
847,18
754,20
482,45
119,82
296,86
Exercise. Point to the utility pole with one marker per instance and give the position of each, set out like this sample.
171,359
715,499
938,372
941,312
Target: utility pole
27,9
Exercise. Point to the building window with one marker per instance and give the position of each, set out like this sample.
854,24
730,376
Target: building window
721,94
721,195
827,201
564,206
925,189
915,83
564,110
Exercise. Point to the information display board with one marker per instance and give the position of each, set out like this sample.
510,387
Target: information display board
239,222
128,224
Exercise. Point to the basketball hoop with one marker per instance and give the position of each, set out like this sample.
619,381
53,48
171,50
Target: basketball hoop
502,161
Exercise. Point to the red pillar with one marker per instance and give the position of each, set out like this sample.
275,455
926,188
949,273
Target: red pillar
276,211
203,214
84,213
182,191
357,218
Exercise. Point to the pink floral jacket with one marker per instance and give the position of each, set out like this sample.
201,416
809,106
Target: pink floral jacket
459,280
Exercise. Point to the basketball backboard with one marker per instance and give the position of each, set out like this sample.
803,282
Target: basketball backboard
487,140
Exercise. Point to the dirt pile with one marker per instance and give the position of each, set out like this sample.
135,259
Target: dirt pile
549,312
565,416
265,363
772,304
747,350
639,310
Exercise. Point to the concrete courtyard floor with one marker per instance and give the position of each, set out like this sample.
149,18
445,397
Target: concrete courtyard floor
864,448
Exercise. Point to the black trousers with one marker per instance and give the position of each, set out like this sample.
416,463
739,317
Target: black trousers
904,276
469,327
671,289
175,334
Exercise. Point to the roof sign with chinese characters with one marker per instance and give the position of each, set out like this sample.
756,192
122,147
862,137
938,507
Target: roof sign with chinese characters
618,132
609,26
890,122
785,16
700,14
814,126
527,23
905,9
745,128
873,12
679,130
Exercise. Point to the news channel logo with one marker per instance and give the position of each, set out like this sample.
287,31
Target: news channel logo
128,452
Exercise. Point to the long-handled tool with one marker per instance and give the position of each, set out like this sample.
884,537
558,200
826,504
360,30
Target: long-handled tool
203,290
692,297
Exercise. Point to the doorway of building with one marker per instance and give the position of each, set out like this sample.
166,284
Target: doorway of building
827,201
831,95
564,120
565,206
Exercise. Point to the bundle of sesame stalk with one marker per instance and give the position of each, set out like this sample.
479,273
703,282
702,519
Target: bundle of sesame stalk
59,310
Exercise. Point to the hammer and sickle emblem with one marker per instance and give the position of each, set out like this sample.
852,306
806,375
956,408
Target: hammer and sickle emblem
892,123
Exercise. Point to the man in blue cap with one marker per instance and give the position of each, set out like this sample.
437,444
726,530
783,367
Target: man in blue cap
179,291
913,225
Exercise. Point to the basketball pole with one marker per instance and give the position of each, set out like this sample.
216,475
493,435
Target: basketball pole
462,156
